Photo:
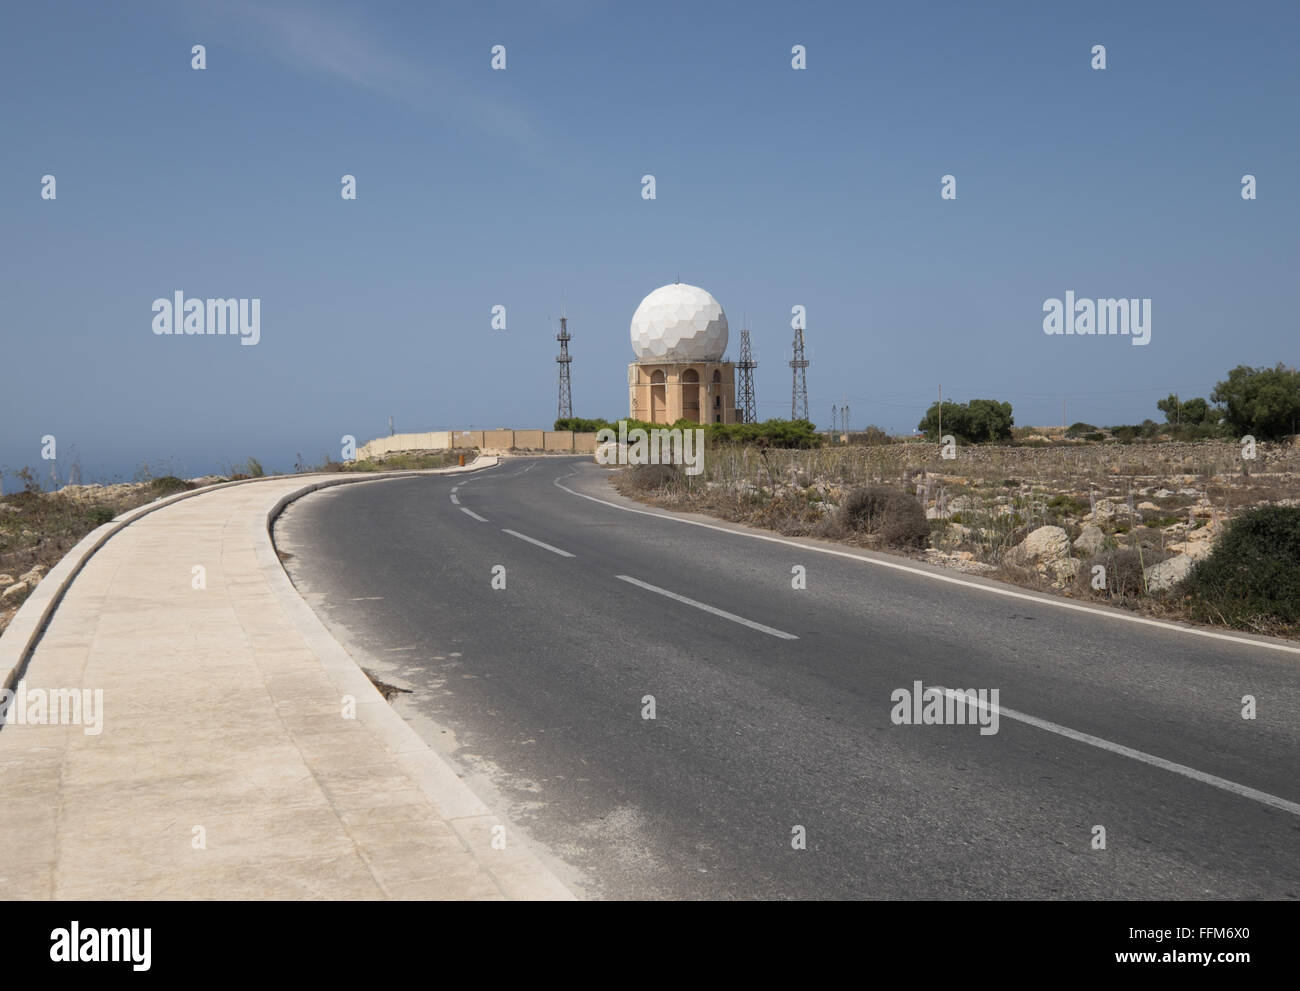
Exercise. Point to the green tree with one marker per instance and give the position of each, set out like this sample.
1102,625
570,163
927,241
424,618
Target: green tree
1263,402
973,422
1191,412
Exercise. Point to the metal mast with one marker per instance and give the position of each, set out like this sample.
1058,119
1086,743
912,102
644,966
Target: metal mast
566,396
747,364
798,365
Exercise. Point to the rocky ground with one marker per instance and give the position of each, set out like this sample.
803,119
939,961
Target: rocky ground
1119,522
38,528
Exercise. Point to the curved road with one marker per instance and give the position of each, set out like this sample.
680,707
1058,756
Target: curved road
773,704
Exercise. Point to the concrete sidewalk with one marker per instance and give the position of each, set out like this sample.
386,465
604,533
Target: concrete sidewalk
226,767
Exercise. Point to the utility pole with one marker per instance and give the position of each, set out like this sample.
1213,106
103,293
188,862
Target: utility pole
835,418
390,426
940,412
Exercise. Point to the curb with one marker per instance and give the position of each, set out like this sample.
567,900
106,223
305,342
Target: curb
518,871
25,630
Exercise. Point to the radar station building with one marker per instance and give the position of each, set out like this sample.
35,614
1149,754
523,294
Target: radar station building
679,336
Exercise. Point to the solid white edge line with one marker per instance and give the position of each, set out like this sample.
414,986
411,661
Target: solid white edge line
770,631
532,540
1138,755
470,512
454,500
993,590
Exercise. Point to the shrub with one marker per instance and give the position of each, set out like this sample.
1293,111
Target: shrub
872,436
1252,577
652,478
1127,433
890,514
1066,504
580,425
769,433
31,484
1124,571
99,515
169,484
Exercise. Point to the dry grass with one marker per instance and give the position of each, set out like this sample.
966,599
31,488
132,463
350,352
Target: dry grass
1150,501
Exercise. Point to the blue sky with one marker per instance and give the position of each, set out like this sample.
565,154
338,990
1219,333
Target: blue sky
522,187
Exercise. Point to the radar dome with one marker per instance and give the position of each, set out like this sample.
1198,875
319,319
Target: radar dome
679,323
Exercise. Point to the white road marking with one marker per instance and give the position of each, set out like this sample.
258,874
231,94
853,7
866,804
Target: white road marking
991,589
454,488
403,648
367,598
454,500
531,540
1116,748
707,608
470,512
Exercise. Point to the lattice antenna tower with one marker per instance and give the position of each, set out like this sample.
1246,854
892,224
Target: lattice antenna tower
799,369
564,360
747,364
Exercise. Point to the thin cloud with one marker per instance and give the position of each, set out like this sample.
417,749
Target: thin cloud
316,41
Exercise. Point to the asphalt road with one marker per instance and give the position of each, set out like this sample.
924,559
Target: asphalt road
773,705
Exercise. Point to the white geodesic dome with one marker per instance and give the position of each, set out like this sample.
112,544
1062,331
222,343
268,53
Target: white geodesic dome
679,323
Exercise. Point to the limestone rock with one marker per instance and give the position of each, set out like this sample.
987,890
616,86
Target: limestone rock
1064,569
1047,543
961,504
1168,573
1090,540
14,591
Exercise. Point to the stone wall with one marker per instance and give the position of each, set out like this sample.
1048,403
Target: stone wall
496,440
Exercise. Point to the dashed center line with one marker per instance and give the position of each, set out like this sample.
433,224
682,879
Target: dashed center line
534,540
770,631
1138,755
470,512
454,501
